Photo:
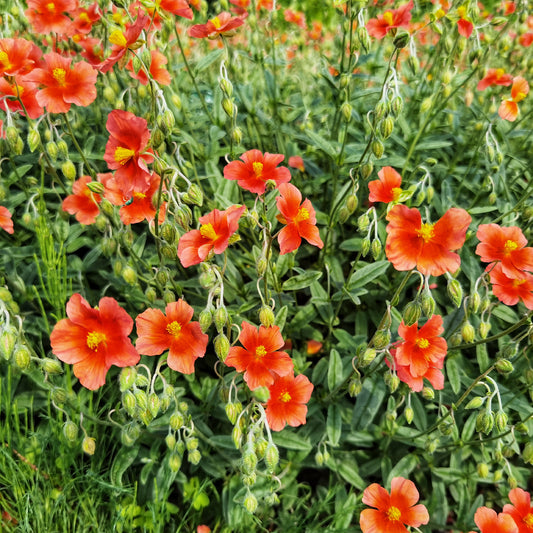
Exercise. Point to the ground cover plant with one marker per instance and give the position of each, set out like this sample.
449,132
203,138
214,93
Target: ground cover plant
266,266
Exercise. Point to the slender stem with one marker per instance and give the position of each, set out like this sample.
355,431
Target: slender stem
90,169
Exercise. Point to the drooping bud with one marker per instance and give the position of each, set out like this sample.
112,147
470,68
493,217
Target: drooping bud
483,470
468,333
377,148
501,421
196,195
365,247
221,318
222,346
409,414
363,222
386,127
412,312
250,503
455,292
205,319
70,430
351,203
401,39
174,462
376,249
8,339
129,402
127,378
88,445
366,170
381,338
367,357
266,316
504,366
475,403
69,170
50,366
427,304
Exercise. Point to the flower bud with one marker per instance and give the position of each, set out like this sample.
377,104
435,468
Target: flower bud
474,302
236,135
411,313
367,357
483,470
207,279
355,387
432,445
127,378
8,339
34,139
363,222
376,249
377,148
142,381
392,381
236,435
456,339
221,318
428,393
142,399
409,414
222,346
427,304
130,434
233,409
192,444
170,441
50,366
194,457
365,247
401,39
154,404
522,428
344,214
250,503
475,403
386,127
88,445
174,462
366,170
266,316
249,461
396,106
205,319
70,431
183,216
129,275
226,86
346,111
527,453
380,110
501,421
509,351
485,422
129,403
69,170
351,203
319,458
249,480
271,457
468,333
426,105
455,292
504,366
364,39
381,339
196,195
52,150
228,107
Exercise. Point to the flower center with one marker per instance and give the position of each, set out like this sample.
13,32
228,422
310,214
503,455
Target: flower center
51,7
396,192
117,37
139,195
388,17
422,343
519,96
285,397
426,231
174,328
94,338
84,18
216,22
528,520
509,246
258,168
394,514
499,73
303,214
123,155
517,283
461,11
59,75
4,59
207,231
260,351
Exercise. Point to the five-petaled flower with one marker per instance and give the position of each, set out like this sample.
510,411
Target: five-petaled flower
94,339
49,16
392,511
521,510
464,24
222,24
495,76
411,243
83,203
395,18
511,290
255,169
172,331
508,109
299,219
6,222
260,357
387,188
489,521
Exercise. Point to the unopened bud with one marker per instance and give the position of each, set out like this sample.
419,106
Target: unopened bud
88,445
344,214
455,292
485,422
501,421
475,403
527,453
401,39
483,470
364,39
376,249
129,402
52,150
129,275
228,107
368,356
233,410
249,462
381,339
351,203
70,430
250,503
474,302
266,316
427,304
236,135
504,366
380,110
154,404
196,195
174,462
365,247
176,421
236,435
192,444
127,378
377,148
363,222
221,318
50,366
34,139
205,319
397,106
249,480
411,313
8,339
222,346
428,393
393,382
409,414
468,333
271,457
69,170
386,127
183,216
366,170
355,387
346,110
509,351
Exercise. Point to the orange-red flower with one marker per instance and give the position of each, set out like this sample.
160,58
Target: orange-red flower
215,231
6,223
395,18
521,511
18,56
433,374
126,150
180,8
313,347
296,161
94,339
172,331
64,84
508,109
222,24
48,16
506,244
287,401
495,76
464,24
83,19
511,290
18,87
489,522
260,356
387,188
392,511
429,247
255,169
296,17
300,220
157,69
82,203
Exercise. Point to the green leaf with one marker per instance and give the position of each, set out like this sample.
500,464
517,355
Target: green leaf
482,357
291,441
334,424
208,60
321,143
368,273
506,314
281,317
347,469
123,460
453,372
368,403
403,467
335,373
301,281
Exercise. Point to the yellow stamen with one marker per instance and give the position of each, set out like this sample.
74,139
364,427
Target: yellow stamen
59,75
84,17
394,514
528,520
258,168
388,17
260,351
396,192
499,73
174,328
519,97
51,7
4,58
117,37
139,195
216,22
123,155
517,283
285,397
208,231
94,338
426,231
303,214
461,11
422,343
509,246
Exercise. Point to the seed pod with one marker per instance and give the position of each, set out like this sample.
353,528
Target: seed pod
222,346
377,148
411,313
69,170
70,430
468,333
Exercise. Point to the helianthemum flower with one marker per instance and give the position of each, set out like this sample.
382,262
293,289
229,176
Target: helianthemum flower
299,219
6,223
508,109
387,188
82,203
287,402
511,290
428,247
260,356
213,236
464,24
172,331
392,511
94,339
395,18
521,510
49,16
495,76
222,24
255,169
489,521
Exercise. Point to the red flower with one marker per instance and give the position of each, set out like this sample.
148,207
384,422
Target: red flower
287,402
296,17
489,522
83,203
5,220
94,339
47,16
23,89
64,84
260,356
18,56
506,245
387,188
84,18
526,39
433,374
426,246
126,150
295,161
172,331
255,169
521,511
180,8
392,512
464,25
511,290
222,24
214,233
495,76
300,220
508,109
395,18
157,69
313,347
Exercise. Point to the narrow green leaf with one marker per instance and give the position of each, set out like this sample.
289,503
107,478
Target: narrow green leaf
368,273
123,460
291,441
334,370
403,467
348,471
301,281
334,424
281,317
368,403
453,372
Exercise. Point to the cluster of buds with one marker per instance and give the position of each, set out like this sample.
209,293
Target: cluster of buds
371,243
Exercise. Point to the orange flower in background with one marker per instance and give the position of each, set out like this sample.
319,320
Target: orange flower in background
287,402
387,188
18,87
495,76
295,161
296,17
489,522
255,169
222,24
313,347
260,356
180,8
299,219
464,24
213,236
157,69
506,244
172,331
64,84
6,223
511,290
392,511
48,16
94,339
203,529
521,510
508,109
394,18
82,203
428,247
83,20
526,39
241,7
18,56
